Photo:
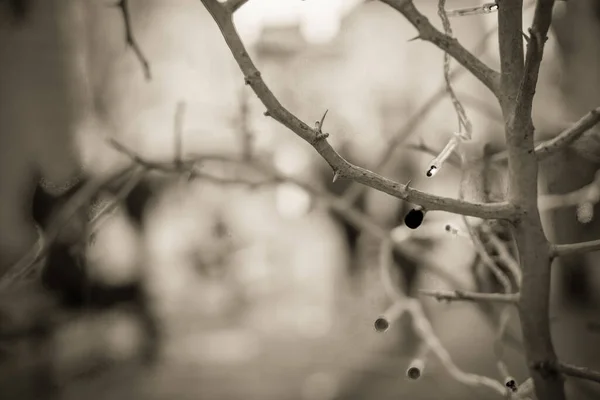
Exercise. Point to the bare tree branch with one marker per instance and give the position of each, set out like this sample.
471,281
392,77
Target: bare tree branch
459,295
430,339
427,32
569,135
533,59
578,372
534,251
123,5
355,190
576,248
317,138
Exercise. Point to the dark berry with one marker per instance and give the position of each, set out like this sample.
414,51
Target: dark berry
414,218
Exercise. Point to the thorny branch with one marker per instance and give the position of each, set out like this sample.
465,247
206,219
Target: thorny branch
514,87
559,250
355,190
340,166
427,32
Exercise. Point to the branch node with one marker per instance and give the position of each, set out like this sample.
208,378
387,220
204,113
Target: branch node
547,369
250,78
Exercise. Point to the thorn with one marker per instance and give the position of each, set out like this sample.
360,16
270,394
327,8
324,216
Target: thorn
525,37
336,175
415,38
323,119
267,113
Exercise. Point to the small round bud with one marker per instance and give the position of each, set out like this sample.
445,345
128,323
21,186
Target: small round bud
414,218
381,324
448,228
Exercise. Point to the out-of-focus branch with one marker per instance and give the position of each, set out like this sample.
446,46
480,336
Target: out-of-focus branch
427,32
504,254
560,250
123,5
25,266
430,339
317,138
569,135
578,372
459,295
463,120
566,138
589,194
355,217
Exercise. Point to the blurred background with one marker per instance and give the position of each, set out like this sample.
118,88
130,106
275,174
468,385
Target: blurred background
259,289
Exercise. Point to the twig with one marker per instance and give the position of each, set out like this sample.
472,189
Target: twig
425,331
178,132
578,372
505,255
560,250
459,295
427,32
568,136
123,5
340,166
355,190
590,193
422,147
463,120
499,343
533,59
473,234
245,129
